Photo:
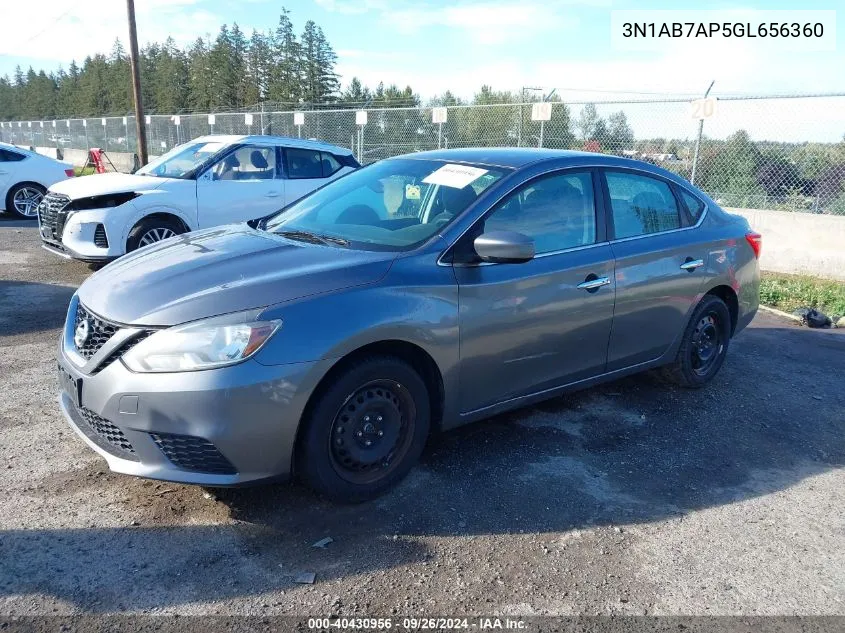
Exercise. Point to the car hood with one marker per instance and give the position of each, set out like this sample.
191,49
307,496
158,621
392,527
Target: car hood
221,270
100,184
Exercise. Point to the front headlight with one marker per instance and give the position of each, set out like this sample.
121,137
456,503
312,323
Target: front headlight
105,201
201,345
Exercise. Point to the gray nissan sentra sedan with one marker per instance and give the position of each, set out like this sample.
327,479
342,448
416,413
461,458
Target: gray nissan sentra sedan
417,294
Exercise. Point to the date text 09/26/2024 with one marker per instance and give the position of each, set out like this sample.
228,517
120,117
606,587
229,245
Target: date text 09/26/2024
418,623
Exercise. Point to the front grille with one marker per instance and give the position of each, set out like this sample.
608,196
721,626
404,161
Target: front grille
100,332
120,351
106,431
52,215
193,453
100,238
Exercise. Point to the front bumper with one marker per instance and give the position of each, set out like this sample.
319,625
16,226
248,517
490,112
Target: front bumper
74,235
58,248
219,427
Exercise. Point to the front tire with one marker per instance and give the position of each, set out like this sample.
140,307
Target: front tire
704,345
364,431
23,199
151,230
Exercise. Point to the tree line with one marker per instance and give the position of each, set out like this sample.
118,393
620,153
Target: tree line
230,71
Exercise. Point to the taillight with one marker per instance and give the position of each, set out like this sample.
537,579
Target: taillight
755,240
69,173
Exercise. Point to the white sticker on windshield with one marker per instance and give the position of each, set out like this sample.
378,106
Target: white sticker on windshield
210,148
457,176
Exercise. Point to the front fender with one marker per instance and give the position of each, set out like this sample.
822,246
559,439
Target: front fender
416,303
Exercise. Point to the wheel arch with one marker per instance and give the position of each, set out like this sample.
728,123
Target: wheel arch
728,295
162,214
418,358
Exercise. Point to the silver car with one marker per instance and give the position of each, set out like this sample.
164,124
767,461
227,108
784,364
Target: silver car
328,341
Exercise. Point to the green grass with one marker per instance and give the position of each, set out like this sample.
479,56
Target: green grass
789,292
83,172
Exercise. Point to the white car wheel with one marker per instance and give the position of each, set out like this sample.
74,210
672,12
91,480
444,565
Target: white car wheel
24,200
155,235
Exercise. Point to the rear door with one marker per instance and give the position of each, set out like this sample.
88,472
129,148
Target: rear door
9,163
660,265
539,324
307,169
243,185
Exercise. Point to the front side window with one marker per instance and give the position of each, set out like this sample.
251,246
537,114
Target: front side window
556,211
641,205
246,163
182,160
392,204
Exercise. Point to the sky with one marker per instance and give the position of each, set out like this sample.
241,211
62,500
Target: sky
435,45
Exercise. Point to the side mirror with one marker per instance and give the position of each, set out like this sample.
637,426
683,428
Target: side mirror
504,247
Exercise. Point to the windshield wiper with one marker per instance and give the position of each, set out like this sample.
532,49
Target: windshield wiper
313,238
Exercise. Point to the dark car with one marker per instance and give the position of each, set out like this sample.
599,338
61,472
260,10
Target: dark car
417,294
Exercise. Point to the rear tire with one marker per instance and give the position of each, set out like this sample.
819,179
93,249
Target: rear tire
22,200
364,431
704,345
151,230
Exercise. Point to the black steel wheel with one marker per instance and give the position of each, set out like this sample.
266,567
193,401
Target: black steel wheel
703,346
364,429
372,431
706,343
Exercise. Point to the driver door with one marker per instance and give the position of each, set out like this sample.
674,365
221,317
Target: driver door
243,185
527,327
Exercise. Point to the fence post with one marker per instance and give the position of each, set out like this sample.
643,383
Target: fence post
698,139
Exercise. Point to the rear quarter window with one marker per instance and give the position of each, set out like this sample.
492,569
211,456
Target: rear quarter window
693,205
7,156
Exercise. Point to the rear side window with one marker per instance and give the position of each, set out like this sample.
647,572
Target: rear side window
307,163
7,156
641,205
694,205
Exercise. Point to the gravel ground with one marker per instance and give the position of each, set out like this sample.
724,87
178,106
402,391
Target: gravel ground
629,498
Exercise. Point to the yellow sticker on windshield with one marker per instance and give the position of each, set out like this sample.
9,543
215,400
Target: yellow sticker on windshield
412,192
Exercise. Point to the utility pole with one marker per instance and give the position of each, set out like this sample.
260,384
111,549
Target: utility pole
140,127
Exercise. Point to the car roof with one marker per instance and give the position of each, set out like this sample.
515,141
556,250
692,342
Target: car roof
519,157
22,150
263,139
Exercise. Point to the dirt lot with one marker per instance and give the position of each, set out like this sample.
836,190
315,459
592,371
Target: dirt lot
628,498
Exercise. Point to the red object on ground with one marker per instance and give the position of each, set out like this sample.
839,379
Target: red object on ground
96,156
69,173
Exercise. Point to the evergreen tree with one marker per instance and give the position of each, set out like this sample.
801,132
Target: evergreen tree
258,69
285,82
199,76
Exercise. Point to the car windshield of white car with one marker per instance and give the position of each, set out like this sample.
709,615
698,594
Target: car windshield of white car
391,205
181,160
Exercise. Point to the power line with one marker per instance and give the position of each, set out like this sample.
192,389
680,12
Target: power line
48,27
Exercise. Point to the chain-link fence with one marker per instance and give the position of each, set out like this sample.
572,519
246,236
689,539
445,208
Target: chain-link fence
783,152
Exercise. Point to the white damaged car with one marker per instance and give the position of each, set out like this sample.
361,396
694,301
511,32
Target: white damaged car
206,182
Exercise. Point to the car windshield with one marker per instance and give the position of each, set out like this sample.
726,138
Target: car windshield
392,205
181,160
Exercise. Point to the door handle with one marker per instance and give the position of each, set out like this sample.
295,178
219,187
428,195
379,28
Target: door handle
273,194
691,264
594,284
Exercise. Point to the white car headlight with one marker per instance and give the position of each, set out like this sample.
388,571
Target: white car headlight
203,344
